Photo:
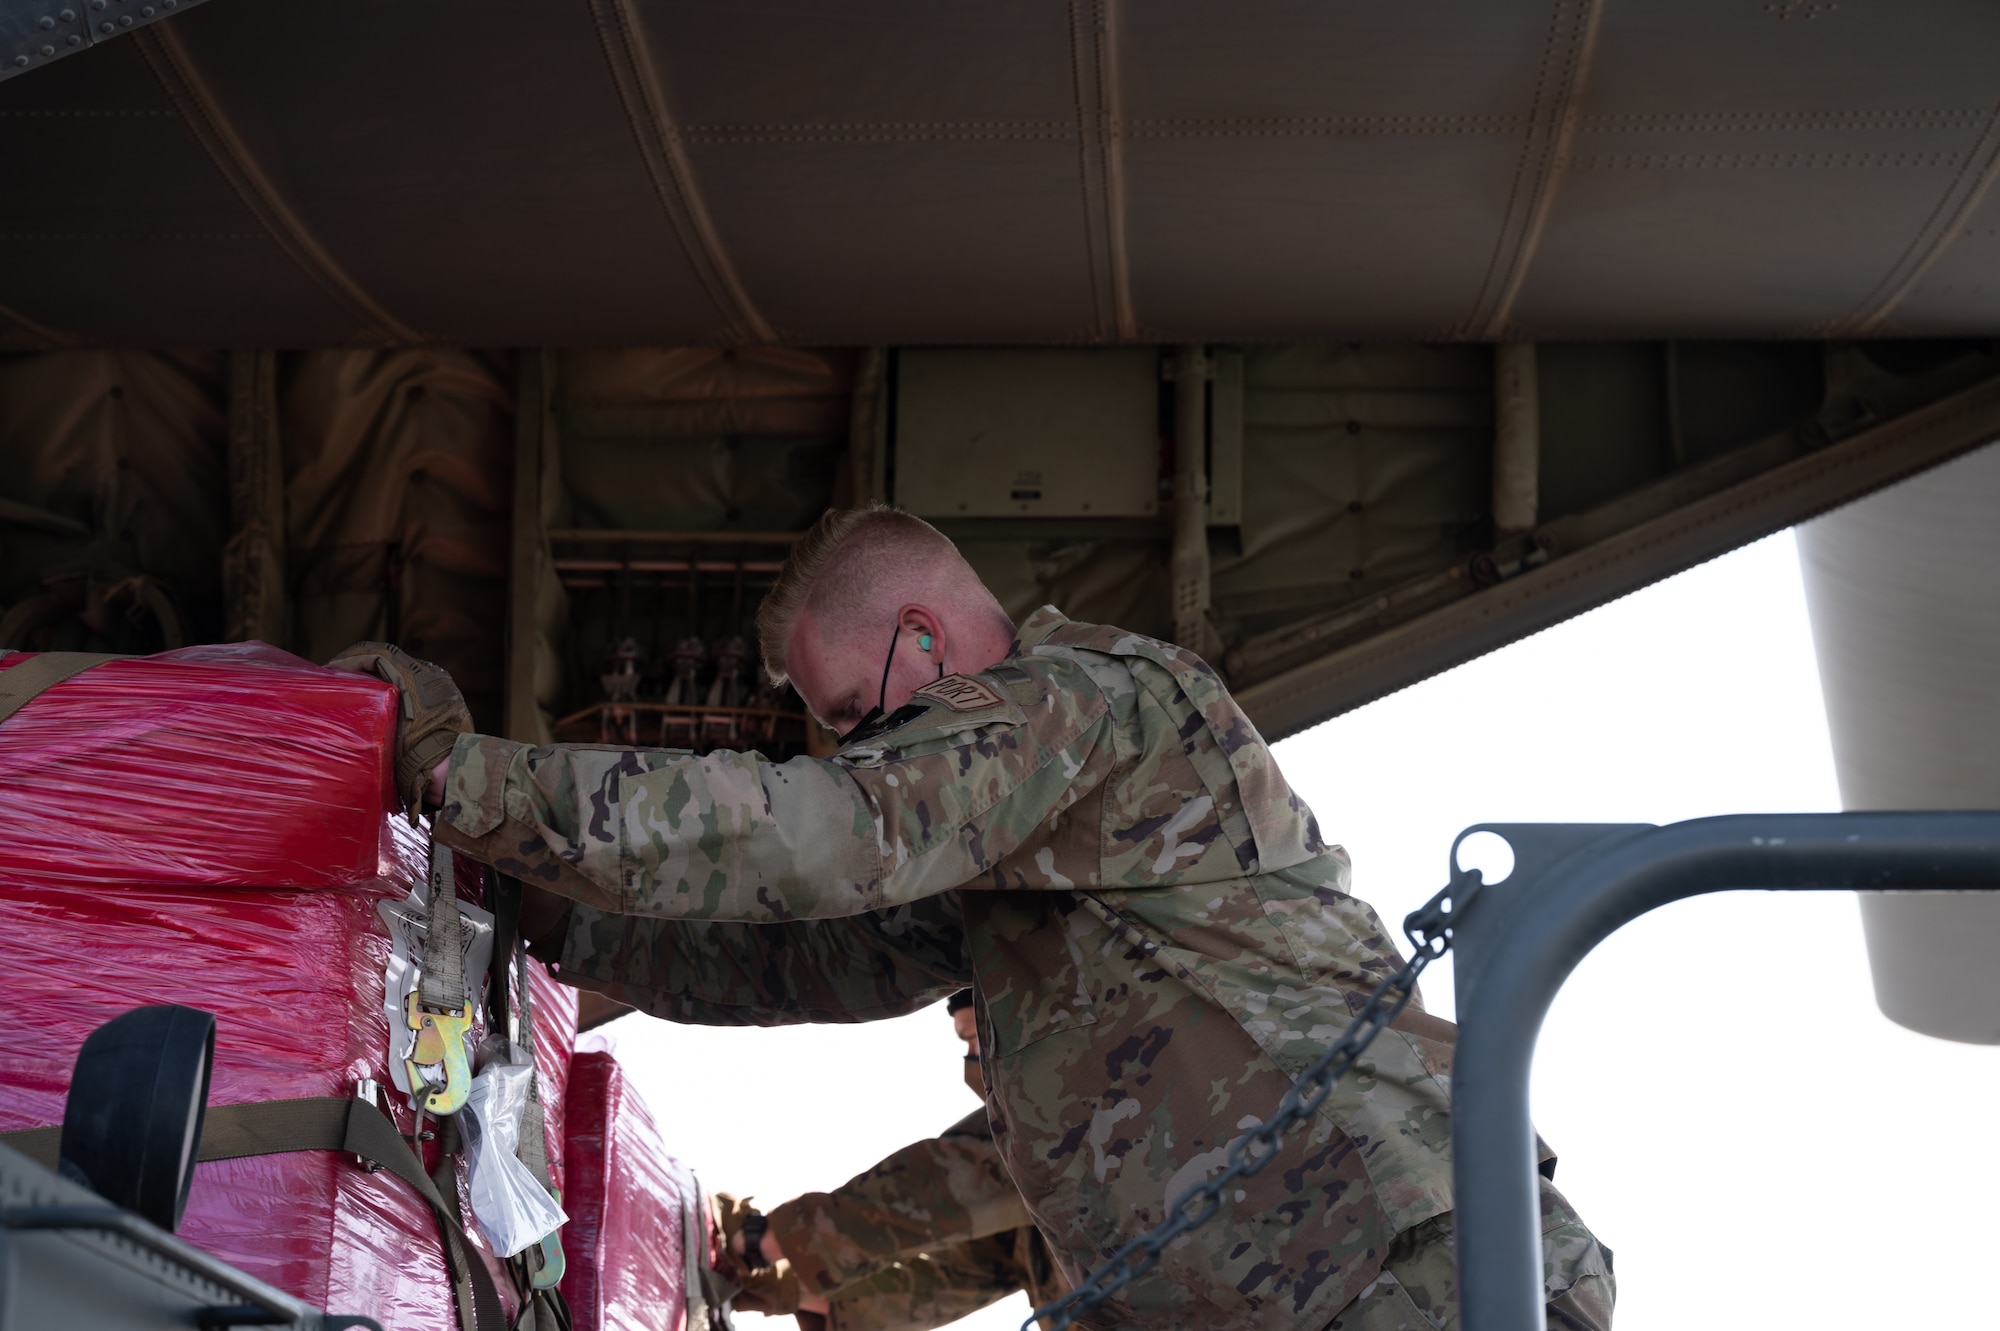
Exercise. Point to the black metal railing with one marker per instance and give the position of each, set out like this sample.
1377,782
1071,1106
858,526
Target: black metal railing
1574,884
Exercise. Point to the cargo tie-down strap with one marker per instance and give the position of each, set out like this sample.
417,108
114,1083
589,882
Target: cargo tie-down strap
327,1123
438,1009
507,987
22,684
546,1263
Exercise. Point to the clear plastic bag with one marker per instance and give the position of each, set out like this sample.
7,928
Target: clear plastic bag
514,1211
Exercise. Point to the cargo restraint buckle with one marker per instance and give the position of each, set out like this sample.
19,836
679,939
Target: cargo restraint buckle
439,1071
546,1262
438,1008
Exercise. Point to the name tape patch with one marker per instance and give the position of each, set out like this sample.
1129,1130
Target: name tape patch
961,693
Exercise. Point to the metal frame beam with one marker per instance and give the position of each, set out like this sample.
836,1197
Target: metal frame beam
209,121
1577,563
531,578
1574,884
253,563
662,145
1189,551
1096,34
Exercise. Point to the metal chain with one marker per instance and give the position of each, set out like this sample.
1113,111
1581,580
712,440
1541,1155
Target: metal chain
1429,930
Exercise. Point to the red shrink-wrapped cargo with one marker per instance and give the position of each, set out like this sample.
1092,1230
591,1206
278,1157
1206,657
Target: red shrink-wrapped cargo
226,766
637,1231
132,868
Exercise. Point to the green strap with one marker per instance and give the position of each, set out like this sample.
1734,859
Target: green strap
41,1145
326,1123
22,684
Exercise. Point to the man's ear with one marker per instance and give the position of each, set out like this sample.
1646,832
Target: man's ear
921,622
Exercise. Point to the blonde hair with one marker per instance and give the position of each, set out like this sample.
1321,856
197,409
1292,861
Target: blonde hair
855,567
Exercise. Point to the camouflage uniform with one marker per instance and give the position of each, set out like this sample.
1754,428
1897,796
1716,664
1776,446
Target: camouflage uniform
933,1289
1091,832
933,1233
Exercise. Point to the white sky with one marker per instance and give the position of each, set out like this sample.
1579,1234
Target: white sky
1758,1144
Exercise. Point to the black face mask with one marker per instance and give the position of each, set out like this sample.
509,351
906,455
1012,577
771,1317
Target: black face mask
874,713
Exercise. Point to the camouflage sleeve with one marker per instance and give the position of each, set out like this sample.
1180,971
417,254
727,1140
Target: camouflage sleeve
861,968
946,1190
931,1289
926,807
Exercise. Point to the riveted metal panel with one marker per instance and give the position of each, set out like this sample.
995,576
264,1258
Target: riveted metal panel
36,32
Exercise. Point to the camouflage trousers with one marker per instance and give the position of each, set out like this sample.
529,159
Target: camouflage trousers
931,1234
1418,1287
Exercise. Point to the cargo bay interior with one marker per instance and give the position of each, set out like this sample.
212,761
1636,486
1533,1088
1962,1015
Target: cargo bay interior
1091,286
623,510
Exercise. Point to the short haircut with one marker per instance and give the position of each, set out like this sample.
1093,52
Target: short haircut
855,567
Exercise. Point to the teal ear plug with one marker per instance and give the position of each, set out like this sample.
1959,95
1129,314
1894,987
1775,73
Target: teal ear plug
923,642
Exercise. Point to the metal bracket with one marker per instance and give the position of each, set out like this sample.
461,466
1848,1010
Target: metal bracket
1572,886
261,1305
547,1262
440,1043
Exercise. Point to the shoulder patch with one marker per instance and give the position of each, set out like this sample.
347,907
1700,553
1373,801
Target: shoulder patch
1020,685
961,693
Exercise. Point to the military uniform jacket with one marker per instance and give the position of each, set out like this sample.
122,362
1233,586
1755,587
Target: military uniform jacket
1095,835
931,1234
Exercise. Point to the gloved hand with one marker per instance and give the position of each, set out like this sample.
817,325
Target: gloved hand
432,717
771,1290
743,1228
769,1287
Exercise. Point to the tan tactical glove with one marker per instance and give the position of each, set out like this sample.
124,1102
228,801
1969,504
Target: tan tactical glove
432,717
734,1215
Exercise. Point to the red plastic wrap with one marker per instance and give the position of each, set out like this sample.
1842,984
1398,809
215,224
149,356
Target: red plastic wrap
555,1041
625,1233
294,979
235,765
